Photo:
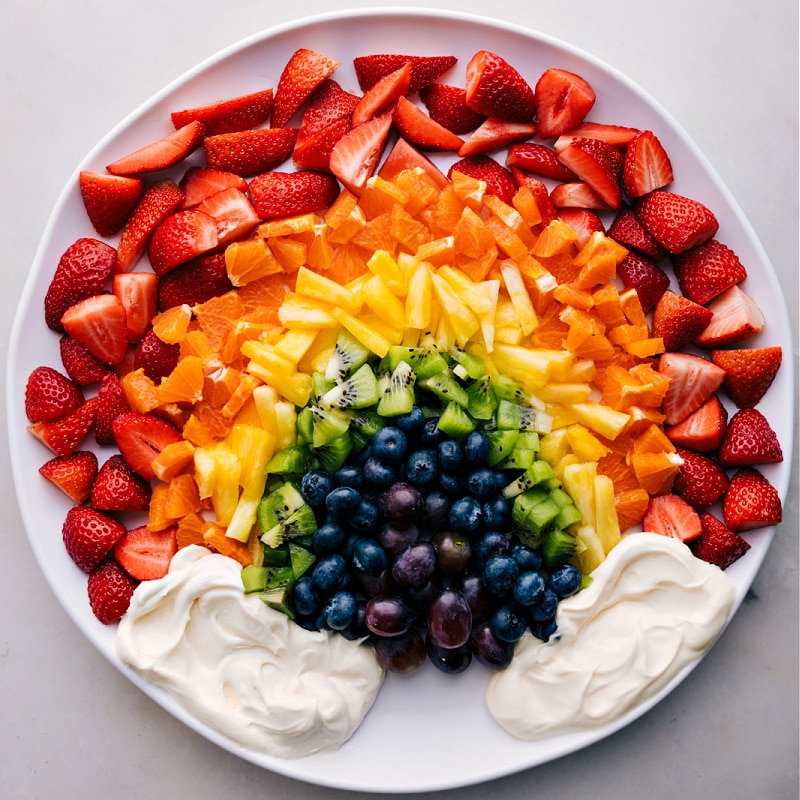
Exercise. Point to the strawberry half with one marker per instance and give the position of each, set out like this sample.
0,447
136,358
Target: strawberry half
49,395
577,194
749,440
499,180
670,515
145,554
424,69
111,403
234,215
200,183
628,230
303,73
563,99
137,293
73,474
540,160
647,166
447,105
194,282
598,164
109,199
118,488
79,363
277,194
155,357
354,158
496,89
717,544
735,317
675,221
678,321
707,270
141,437
89,536
645,276
227,116
64,435
692,381
749,372
701,481
751,502
164,153
703,430
583,221
618,136
418,128
98,323
110,589
181,237
248,153
383,95
495,134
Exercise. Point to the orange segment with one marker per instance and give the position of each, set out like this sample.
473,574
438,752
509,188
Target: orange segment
190,530
172,325
184,384
249,261
214,536
217,317
631,505
140,392
656,471
173,459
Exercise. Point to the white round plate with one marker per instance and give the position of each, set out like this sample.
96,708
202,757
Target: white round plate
427,731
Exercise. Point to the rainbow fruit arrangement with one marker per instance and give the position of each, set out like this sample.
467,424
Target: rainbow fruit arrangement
415,406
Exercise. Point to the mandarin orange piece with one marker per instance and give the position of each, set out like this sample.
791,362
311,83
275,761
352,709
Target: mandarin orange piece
216,317
172,325
570,295
377,235
183,496
249,261
656,471
215,538
244,391
408,232
157,517
524,201
173,459
184,384
653,440
190,530
555,239
470,237
140,392
381,197
449,208
631,505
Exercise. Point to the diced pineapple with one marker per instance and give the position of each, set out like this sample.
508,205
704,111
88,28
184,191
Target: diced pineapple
586,446
468,292
312,284
579,482
601,419
294,386
286,424
265,398
303,312
532,367
267,357
381,263
606,520
418,298
244,515
460,317
225,494
380,299
293,345
564,392
370,338
554,446
491,291
253,447
591,554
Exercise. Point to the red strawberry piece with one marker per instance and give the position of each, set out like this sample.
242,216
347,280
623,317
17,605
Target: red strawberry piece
199,183
703,430
155,357
118,488
547,209
194,282
98,323
701,481
750,372
110,589
647,166
598,164
540,160
499,180
234,214
49,395
751,502
678,321
717,544
692,381
383,95
164,153
577,194
145,554
304,71
749,440
670,515
563,99
109,199
111,403
424,71
583,221
64,435
403,156
277,194
707,270
181,237
736,317
447,105
675,221
73,474
495,134
418,128
313,151
82,271
496,89
158,202
79,363
226,116
89,536
645,276
617,136
141,437
250,152
629,232
354,158
137,293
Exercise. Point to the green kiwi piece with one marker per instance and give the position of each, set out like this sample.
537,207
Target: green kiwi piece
558,546
332,455
254,578
279,505
455,422
506,388
305,425
446,387
425,361
300,558
293,460
301,522
536,474
511,416
367,423
348,355
501,445
277,591
320,385
481,399
398,397
360,390
474,365
328,424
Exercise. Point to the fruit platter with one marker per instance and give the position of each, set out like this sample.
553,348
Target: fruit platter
395,339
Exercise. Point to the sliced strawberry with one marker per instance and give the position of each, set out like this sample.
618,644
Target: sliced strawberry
674,221
583,221
647,165
495,134
355,156
164,153
248,153
496,89
277,194
110,589
137,293
499,180
703,430
717,544
158,202
145,554
425,69
749,441
692,381
234,213
751,502
141,437
447,105
199,183
49,395
645,276
64,435
617,136
194,282
303,73
540,160
678,321
155,357
82,271
577,194
418,128
98,323
118,488
563,99
383,95
84,368
670,515
181,237
701,481
89,536
547,209
629,232
109,199
403,156
598,164
111,403
707,270
73,474
749,372
736,317
313,152
227,116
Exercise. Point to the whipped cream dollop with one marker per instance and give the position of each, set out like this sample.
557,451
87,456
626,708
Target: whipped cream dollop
245,669
651,610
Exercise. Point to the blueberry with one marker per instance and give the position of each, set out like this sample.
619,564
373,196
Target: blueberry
545,609
328,538
436,513
452,484
412,422
508,623
316,486
529,588
357,629
528,559
365,517
421,467
342,501
451,456
329,572
466,516
340,610
304,596
431,434
389,445
492,543
497,514
476,448
481,483
369,557
377,474
499,574
350,475
565,581
544,630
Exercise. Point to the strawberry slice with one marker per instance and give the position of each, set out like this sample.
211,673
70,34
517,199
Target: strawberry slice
749,441
547,209
617,136
627,229
110,589
118,488
670,515
64,435
645,276
313,152
181,237
598,164
200,183
158,202
111,403
447,105
403,156
82,271
98,323
707,270
499,180
79,363
495,134
234,214
703,430
678,321
303,73
692,381
496,89
717,544
675,221
701,481
383,95
277,194
89,536
109,199
155,357
749,372
647,166
194,282
355,157
227,116
421,131
145,554
583,221
563,99
49,395
736,317
540,160
164,153
141,437
577,194
73,474
137,293
751,502
250,152
424,71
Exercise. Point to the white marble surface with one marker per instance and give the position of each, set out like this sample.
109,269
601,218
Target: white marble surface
72,726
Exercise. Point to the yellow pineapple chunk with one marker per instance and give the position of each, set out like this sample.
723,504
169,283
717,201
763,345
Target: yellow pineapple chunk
463,322
491,291
286,424
606,520
601,419
381,263
579,482
520,299
469,292
369,337
304,312
267,357
265,398
564,392
253,446
591,553
293,345
586,446
379,297
294,386
554,446
312,284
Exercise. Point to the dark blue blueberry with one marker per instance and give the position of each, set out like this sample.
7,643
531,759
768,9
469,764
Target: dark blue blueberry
527,558
340,610
544,630
451,456
546,608
350,475
492,543
377,474
565,581
466,516
357,629
529,588
481,483
412,422
329,572
497,514
452,484
499,574
389,445
476,448
508,623
342,501
363,456
308,624
421,467
316,486
328,538
365,517
431,435
304,596
349,544
369,557
436,513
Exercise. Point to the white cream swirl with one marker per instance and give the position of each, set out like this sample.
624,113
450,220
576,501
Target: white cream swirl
241,667
651,610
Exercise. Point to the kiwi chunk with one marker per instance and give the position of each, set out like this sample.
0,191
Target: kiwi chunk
301,522
328,424
293,460
279,505
446,387
425,361
366,423
348,355
511,416
332,455
558,546
501,445
506,388
360,390
305,425
277,591
398,396
481,399
473,365
254,578
300,558
455,422
320,385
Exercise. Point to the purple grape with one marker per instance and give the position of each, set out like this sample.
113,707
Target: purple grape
479,600
489,650
393,539
402,654
452,661
415,565
453,551
450,620
388,615
401,504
